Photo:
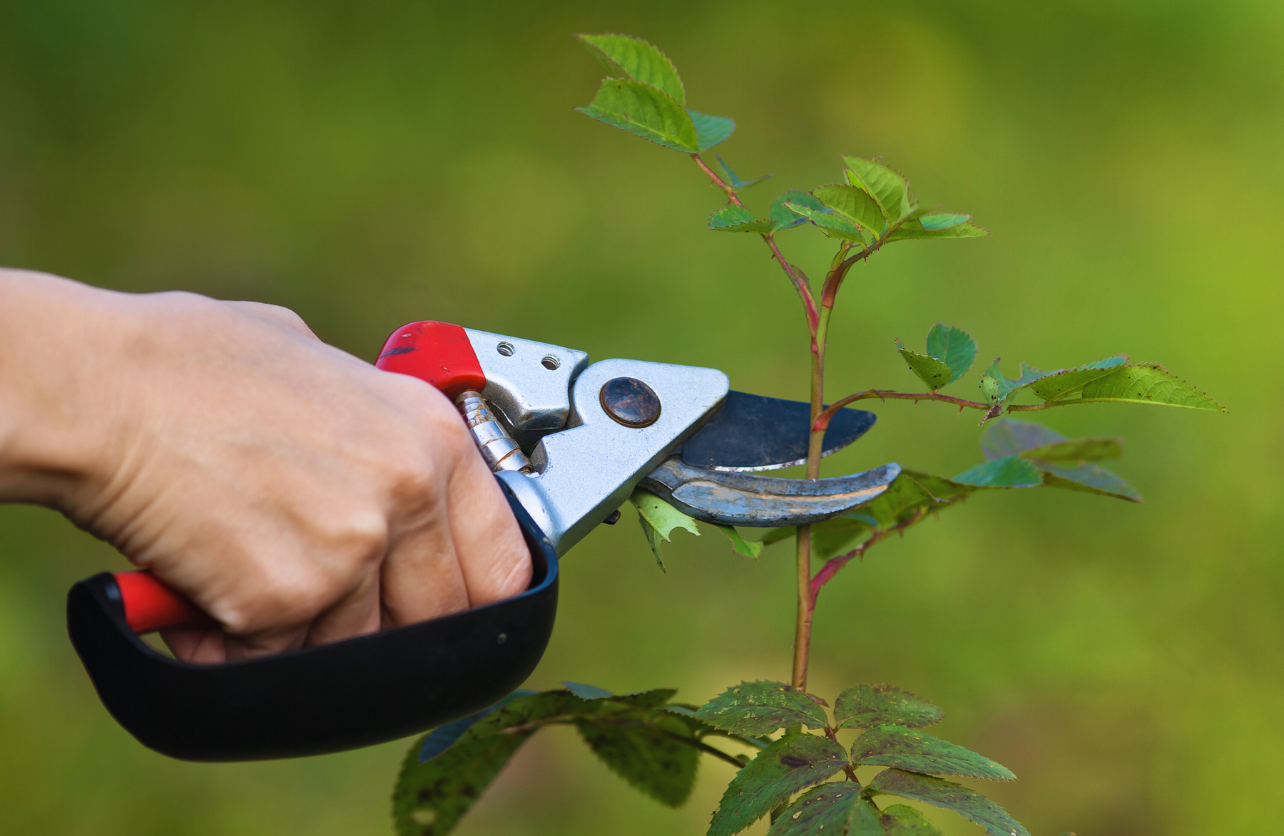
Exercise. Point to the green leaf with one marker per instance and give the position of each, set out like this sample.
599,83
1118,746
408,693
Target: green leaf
830,223
1007,387
1076,450
790,764
732,218
443,737
758,708
1148,383
888,189
1010,437
1008,472
530,708
952,346
917,751
739,544
588,692
1090,479
734,180
899,820
949,796
824,810
644,111
941,220
931,226
786,217
648,758
930,370
710,130
430,798
854,205
863,706
700,729
628,57
1059,384
658,518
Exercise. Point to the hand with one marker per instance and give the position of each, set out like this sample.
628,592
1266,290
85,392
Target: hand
294,492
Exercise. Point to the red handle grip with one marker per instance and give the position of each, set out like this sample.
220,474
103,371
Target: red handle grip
151,605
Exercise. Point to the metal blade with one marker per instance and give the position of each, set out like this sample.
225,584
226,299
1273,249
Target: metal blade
752,432
729,498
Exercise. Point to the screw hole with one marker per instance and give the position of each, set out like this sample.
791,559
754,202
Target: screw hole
505,349
550,362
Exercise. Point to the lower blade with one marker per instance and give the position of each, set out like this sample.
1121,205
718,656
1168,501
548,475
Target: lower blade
747,499
752,432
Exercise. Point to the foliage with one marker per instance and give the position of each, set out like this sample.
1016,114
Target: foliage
653,743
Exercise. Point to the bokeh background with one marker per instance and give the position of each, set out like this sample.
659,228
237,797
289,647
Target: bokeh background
369,164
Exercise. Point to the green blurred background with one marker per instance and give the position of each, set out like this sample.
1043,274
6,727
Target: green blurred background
369,164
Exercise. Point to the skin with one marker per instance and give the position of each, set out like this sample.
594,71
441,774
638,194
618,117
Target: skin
292,491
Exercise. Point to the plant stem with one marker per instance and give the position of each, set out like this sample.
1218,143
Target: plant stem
822,421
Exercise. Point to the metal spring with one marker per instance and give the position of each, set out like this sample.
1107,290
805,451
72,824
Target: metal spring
499,450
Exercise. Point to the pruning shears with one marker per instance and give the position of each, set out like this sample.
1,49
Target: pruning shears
569,442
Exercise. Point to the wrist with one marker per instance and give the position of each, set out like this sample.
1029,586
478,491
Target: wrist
60,398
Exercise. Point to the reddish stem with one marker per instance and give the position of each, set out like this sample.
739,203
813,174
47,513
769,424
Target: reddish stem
822,421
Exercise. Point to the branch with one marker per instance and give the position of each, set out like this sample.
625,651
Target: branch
822,421
832,565
795,275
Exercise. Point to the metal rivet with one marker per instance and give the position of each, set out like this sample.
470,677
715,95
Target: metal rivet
630,402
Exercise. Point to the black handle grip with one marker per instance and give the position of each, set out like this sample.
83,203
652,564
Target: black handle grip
321,699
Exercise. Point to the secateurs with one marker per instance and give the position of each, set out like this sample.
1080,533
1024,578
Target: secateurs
568,442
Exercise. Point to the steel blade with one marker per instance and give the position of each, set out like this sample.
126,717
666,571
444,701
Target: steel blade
752,432
729,498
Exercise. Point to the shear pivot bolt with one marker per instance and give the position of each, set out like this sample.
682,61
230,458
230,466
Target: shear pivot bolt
630,402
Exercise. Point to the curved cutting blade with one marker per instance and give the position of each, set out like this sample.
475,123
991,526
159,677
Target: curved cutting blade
759,501
752,432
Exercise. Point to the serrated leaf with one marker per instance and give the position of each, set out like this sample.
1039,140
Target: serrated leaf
941,220
1076,450
530,708
739,544
645,756
1059,384
443,737
1010,437
833,225
710,130
899,820
919,228
888,188
734,180
952,346
1148,383
758,708
1090,479
1006,387
1008,472
855,206
949,796
644,111
862,706
790,764
785,217
822,811
587,692
917,751
935,373
699,728
430,798
658,519
732,218
627,57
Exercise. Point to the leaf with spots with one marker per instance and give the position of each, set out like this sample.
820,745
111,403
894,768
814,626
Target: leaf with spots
627,57
792,763
443,737
952,346
1059,384
431,797
862,706
732,218
824,810
1146,383
658,519
650,756
949,796
700,729
899,820
935,373
757,708
917,751
644,111
1008,472
531,708
734,180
